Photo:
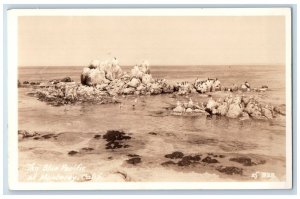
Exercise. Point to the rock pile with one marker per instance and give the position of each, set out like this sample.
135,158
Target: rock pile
209,85
243,107
102,82
188,107
71,92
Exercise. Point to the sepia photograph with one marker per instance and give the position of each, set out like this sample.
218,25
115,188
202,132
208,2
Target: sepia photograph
150,99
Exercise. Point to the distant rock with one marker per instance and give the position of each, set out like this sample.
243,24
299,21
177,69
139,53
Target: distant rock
209,85
26,134
66,79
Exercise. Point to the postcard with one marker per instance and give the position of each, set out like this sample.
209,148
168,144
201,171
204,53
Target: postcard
149,99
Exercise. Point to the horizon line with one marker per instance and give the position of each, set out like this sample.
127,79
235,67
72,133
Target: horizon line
157,65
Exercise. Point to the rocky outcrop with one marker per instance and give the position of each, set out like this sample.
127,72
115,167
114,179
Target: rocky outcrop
71,92
188,107
242,107
209,85
98,73
102,81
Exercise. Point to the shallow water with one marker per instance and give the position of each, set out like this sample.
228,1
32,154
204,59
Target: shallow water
190,134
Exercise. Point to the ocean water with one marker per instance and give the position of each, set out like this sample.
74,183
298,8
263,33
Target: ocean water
225,136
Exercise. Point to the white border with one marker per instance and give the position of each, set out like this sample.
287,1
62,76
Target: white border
13,98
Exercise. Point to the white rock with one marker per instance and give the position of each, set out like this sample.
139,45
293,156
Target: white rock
134,83
234,111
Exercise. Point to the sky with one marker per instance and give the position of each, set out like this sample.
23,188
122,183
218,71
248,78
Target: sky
162,40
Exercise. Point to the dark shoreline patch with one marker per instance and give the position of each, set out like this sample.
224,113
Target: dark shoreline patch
246,161
175,155
134,161
71,153
210,160
115,139
230,170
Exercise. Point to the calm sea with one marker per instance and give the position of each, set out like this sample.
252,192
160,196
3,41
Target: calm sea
255,137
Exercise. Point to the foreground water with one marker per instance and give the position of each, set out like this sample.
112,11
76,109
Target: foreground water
154,131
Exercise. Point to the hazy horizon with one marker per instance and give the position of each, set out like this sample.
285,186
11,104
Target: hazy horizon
164,41
160,65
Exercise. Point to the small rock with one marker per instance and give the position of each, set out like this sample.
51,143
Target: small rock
244,116
71,153
281,109
134,161
185,161
230,170
113,135
267,113
97,136
48,136
87,149
175,155
66,79
189,110
210,160
133,155
242,160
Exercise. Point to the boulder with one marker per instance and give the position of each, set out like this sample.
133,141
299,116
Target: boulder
147,79
200,86
189,110
184,88
190,104
244,116
128,91
91,77
223,109
244,87
211,103
246,100
155,89
216,85
267,112
134,83
234,110
144,67
135,72
26,134
94,64
234,87
166,87
281,109
179,109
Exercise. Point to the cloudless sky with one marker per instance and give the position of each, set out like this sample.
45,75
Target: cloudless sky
184,40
